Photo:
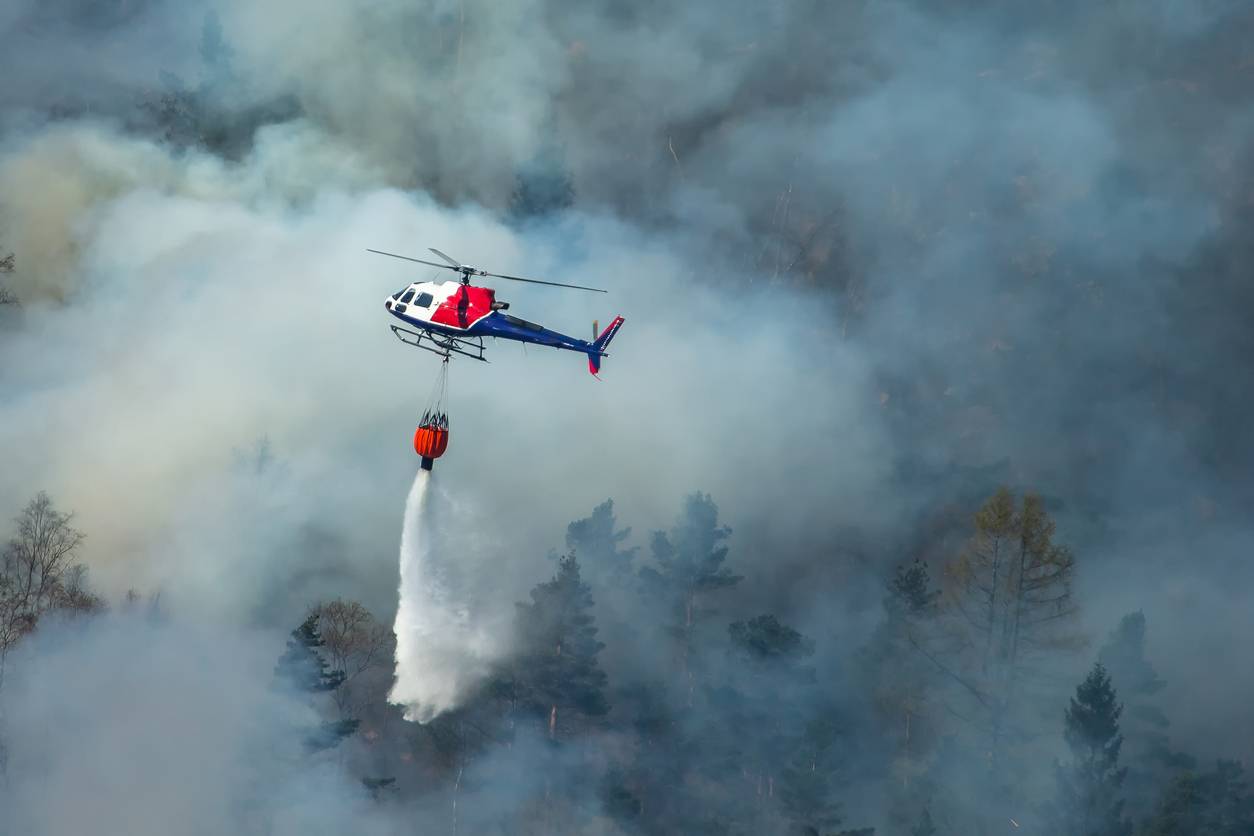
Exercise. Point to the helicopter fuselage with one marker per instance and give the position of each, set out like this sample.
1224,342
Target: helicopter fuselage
461,310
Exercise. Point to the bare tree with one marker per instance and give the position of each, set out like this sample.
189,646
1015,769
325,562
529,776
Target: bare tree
354,642
38,572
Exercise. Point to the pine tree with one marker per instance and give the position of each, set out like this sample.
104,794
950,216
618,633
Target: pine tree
910,592
596,543
807,785
903,685
302,667
689,565
1179,810
1146,747
558,677
1089,801
1229,807
1217,803
925,826
773,764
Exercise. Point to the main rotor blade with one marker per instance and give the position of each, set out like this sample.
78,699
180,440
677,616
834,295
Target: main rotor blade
455,264
551,284
407,258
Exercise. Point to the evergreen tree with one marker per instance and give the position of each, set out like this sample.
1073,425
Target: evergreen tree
1147,750
925,826
807,791
765,640
596,543
1089,801
1217,803
302,667
910,592
1179,811
689,564
776,768
1229,809
903,682
558,677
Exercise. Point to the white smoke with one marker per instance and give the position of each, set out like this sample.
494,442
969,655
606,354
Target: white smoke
440,649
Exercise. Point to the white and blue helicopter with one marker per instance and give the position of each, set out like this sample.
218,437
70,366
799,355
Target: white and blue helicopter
454,317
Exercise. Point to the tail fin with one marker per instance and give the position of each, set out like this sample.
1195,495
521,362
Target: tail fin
599,344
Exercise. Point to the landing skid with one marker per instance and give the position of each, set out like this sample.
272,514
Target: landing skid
440,344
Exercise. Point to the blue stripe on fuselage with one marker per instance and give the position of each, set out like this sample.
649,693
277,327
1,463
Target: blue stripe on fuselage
497,325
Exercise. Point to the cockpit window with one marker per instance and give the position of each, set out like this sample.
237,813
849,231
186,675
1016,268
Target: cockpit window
409,294
397,295
424,300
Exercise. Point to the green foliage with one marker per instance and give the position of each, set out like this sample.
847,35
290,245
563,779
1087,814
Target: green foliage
925,826
1089,801
558,678
302,667
910,592
765,639
1123,656
772,730
689,563
903,685
596,543
807,785
1147,750
1217,803
1181,810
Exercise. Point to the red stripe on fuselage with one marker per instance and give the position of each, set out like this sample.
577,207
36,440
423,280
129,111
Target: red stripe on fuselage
465,307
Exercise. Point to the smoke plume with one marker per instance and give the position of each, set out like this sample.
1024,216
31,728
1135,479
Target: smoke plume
879,255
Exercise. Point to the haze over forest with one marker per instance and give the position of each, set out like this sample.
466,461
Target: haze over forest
914,496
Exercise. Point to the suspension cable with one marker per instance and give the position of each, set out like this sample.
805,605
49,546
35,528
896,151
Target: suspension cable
436,408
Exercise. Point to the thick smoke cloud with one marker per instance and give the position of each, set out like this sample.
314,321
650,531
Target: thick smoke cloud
232,313
128,728
864,250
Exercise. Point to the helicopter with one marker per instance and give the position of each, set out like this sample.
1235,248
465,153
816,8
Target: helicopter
454,317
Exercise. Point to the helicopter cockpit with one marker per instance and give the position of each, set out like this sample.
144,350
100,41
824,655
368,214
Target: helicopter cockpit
402,299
